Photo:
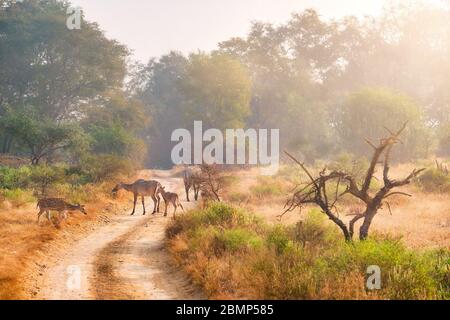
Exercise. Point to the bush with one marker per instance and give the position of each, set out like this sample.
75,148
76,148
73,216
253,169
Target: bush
237,239
444,140
267,187
105,167
311,230
17,197
232,254
76,193
291,173
14,178
238,197
44,177
347,162
279,238
434,180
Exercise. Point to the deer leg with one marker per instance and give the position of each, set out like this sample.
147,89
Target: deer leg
134,203
143,204
159,201
187,193
39,215
155,203
165,207
48,215
196,190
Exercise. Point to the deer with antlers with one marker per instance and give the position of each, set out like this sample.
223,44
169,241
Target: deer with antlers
315,191
142,188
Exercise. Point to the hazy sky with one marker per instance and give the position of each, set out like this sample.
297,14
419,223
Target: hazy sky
154,27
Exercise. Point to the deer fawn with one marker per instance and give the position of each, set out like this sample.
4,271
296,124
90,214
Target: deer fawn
191,179
170,197
56,204
141,188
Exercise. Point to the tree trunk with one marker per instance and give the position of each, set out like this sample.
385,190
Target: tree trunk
35,160
7,141
364,229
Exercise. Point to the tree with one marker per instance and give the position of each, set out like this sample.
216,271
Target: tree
217,90
115,127
285,90
41,137
366,113
212,182
317,190
444,140
43,63
157,86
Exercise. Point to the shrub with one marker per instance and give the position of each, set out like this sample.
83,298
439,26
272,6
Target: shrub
14,178
238,197
347,162
17,197
237,239
434,180
279,237
105,167
267,187
232,254
444,140
291,173
76,193
43,177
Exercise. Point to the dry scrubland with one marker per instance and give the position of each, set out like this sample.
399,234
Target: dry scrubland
240,248
27,248
421,221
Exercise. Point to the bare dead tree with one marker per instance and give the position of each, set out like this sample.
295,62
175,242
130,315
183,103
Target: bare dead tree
317,190
211,181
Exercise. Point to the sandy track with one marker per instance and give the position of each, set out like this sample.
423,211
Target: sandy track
124,259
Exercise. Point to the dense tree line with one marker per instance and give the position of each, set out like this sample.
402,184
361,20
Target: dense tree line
61,90
326,84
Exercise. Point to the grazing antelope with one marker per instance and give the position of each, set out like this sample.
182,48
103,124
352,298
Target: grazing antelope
192,179
142,188
170,197
56,204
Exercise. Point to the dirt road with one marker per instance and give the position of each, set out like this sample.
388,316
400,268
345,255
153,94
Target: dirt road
124,259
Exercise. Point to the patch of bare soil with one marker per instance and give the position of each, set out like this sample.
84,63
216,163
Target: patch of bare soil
123,259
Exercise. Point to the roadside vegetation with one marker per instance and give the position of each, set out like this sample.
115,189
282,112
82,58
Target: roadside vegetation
68,129
234,254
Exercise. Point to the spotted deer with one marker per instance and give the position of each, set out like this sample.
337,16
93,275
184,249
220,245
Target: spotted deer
170,197
142,188
56,204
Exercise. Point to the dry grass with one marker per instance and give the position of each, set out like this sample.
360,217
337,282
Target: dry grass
27,246
422,221
235,255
